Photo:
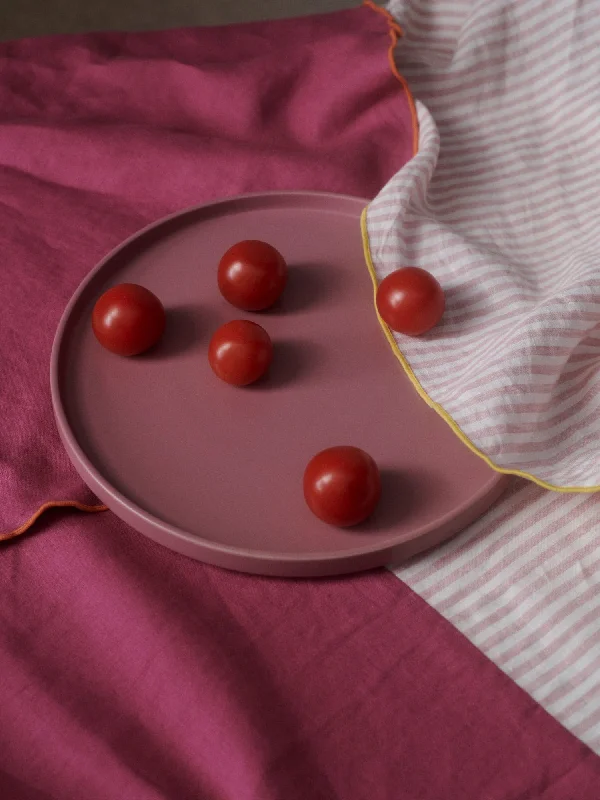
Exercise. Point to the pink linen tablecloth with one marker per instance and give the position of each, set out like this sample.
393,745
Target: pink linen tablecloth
126,670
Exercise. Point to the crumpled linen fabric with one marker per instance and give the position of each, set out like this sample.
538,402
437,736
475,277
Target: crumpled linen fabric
501,205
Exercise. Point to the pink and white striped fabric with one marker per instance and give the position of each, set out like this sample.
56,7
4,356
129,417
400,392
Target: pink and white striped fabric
501,203
523,584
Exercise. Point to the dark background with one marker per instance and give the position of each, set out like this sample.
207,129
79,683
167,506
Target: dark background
20,18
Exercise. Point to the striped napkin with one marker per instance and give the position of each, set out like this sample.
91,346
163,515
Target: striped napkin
501,203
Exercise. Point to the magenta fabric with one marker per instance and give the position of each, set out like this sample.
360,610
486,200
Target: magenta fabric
101,134
128,671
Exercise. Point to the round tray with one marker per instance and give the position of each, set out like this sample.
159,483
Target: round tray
215,472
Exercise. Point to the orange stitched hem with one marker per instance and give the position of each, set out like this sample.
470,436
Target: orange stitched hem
4,537
395,33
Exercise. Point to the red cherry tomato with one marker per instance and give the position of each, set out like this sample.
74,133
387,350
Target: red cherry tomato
252,275
128,319
342,485
410,301
240,352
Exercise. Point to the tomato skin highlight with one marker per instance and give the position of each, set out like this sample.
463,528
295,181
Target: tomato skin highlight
342,485
252,275
410,301
240,352
128,319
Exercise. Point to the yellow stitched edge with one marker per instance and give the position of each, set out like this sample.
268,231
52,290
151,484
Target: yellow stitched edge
435,406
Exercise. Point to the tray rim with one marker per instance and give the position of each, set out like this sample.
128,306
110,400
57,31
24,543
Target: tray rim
330,563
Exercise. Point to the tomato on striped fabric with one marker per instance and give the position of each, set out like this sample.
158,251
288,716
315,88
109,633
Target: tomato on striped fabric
411,301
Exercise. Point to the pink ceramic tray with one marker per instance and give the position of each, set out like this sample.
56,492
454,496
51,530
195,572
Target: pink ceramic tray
216,472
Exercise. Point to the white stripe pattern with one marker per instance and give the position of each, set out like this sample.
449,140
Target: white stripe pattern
523,584
501,203
504,212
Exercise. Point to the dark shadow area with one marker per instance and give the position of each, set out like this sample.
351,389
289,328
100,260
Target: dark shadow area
186,325
308,285
292,361
400,494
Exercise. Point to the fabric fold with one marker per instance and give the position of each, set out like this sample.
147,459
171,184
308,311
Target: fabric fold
500,204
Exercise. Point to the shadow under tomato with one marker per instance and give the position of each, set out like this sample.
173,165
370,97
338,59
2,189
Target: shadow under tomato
186,326
308,285
401,493
457,300
292,362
